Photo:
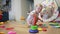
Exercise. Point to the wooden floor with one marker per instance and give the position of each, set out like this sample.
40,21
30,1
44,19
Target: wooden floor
21,28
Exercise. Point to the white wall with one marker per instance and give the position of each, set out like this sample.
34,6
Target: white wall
37,1
19,8
24,8
16,9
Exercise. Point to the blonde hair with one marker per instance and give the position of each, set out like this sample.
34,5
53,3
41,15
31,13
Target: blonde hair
38,5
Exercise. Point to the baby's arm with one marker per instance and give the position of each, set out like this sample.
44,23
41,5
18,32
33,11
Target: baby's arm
40,16
30,19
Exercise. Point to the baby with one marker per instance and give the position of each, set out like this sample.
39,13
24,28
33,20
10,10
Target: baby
35,12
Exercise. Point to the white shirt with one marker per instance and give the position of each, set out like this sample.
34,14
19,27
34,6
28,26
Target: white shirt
30,17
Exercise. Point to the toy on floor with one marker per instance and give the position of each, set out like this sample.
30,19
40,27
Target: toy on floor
2,26
22,18
1,23
54,25
11,28
34,27
42,27
11,32
2,33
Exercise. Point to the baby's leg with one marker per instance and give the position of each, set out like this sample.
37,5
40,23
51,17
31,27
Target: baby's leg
29,23
29,20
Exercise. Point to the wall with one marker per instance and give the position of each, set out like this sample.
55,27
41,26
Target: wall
16,9
37,2
19,8
24,8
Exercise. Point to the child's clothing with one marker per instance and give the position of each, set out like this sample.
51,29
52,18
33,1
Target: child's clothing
45,16
30,17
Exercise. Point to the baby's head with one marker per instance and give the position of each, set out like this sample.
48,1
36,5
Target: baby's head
39,8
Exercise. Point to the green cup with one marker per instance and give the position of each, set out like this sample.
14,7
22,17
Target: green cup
34,27
55,24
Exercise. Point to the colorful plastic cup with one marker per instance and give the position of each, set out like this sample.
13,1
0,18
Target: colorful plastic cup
34,27
11,32
2,33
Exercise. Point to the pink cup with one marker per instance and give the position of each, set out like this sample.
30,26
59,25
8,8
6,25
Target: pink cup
11,32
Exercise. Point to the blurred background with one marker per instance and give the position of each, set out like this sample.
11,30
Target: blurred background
19,8
15,10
